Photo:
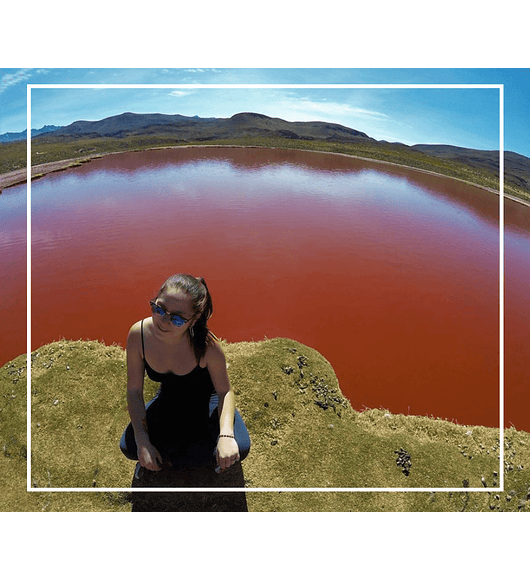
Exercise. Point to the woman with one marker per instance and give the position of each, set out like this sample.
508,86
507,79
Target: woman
192,419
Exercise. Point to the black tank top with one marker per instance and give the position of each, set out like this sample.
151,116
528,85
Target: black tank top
182,406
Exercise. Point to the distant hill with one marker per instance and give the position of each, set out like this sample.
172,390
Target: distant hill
515,165
154,128
199,129
21,136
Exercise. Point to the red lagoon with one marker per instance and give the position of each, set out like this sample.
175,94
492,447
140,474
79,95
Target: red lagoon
392,274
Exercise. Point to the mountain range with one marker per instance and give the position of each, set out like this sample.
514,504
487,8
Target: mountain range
21,136
195,129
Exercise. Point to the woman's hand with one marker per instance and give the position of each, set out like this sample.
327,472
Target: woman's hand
227,452
149,457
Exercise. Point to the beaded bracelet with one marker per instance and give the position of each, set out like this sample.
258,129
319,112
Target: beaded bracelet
232,436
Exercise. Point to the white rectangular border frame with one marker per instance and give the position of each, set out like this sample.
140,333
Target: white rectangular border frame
500,87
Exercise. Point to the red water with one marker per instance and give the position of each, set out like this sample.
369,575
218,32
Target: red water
390,273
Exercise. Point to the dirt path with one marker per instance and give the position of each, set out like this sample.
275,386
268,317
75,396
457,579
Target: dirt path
21,175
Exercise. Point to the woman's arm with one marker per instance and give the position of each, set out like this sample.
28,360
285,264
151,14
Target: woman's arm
227,449
148,455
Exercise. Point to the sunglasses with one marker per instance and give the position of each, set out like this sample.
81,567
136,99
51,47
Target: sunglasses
175,319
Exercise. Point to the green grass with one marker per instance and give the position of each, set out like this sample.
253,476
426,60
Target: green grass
304,435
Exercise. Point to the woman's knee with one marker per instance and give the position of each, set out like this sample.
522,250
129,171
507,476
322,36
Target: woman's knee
128,444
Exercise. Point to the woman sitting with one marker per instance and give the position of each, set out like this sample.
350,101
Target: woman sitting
192,420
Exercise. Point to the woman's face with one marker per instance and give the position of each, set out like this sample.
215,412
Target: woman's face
174,302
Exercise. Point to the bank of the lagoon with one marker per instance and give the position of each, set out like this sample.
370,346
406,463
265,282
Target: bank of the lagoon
304,433
68,156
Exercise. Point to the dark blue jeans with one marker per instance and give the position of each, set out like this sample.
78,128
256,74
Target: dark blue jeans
201,453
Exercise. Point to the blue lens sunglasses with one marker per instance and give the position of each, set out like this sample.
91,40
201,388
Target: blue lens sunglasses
175,319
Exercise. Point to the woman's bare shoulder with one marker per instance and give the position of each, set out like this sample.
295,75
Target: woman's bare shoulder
214,353
135,332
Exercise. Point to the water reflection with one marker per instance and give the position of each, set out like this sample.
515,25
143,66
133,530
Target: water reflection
392,274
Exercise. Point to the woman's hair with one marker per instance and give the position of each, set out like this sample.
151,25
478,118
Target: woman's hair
201,303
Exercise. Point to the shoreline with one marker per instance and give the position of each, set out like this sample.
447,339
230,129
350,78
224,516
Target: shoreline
20,176
90,343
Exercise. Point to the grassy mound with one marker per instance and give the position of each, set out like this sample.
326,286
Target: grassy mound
304,435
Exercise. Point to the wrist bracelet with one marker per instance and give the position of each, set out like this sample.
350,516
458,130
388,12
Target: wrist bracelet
232,436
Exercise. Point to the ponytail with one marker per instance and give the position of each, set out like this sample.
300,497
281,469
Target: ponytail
200,334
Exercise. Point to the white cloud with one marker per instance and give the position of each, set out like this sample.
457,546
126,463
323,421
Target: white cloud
201,70
180,93
305,109
11,79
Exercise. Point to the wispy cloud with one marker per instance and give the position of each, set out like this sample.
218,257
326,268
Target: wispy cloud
11,79
180,93
201,70
307,109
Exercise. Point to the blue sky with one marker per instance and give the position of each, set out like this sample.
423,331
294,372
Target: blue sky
466,117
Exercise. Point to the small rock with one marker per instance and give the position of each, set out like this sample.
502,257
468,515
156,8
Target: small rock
403,461
302,361
56,402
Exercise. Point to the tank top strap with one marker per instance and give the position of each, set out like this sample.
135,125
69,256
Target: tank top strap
142,333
